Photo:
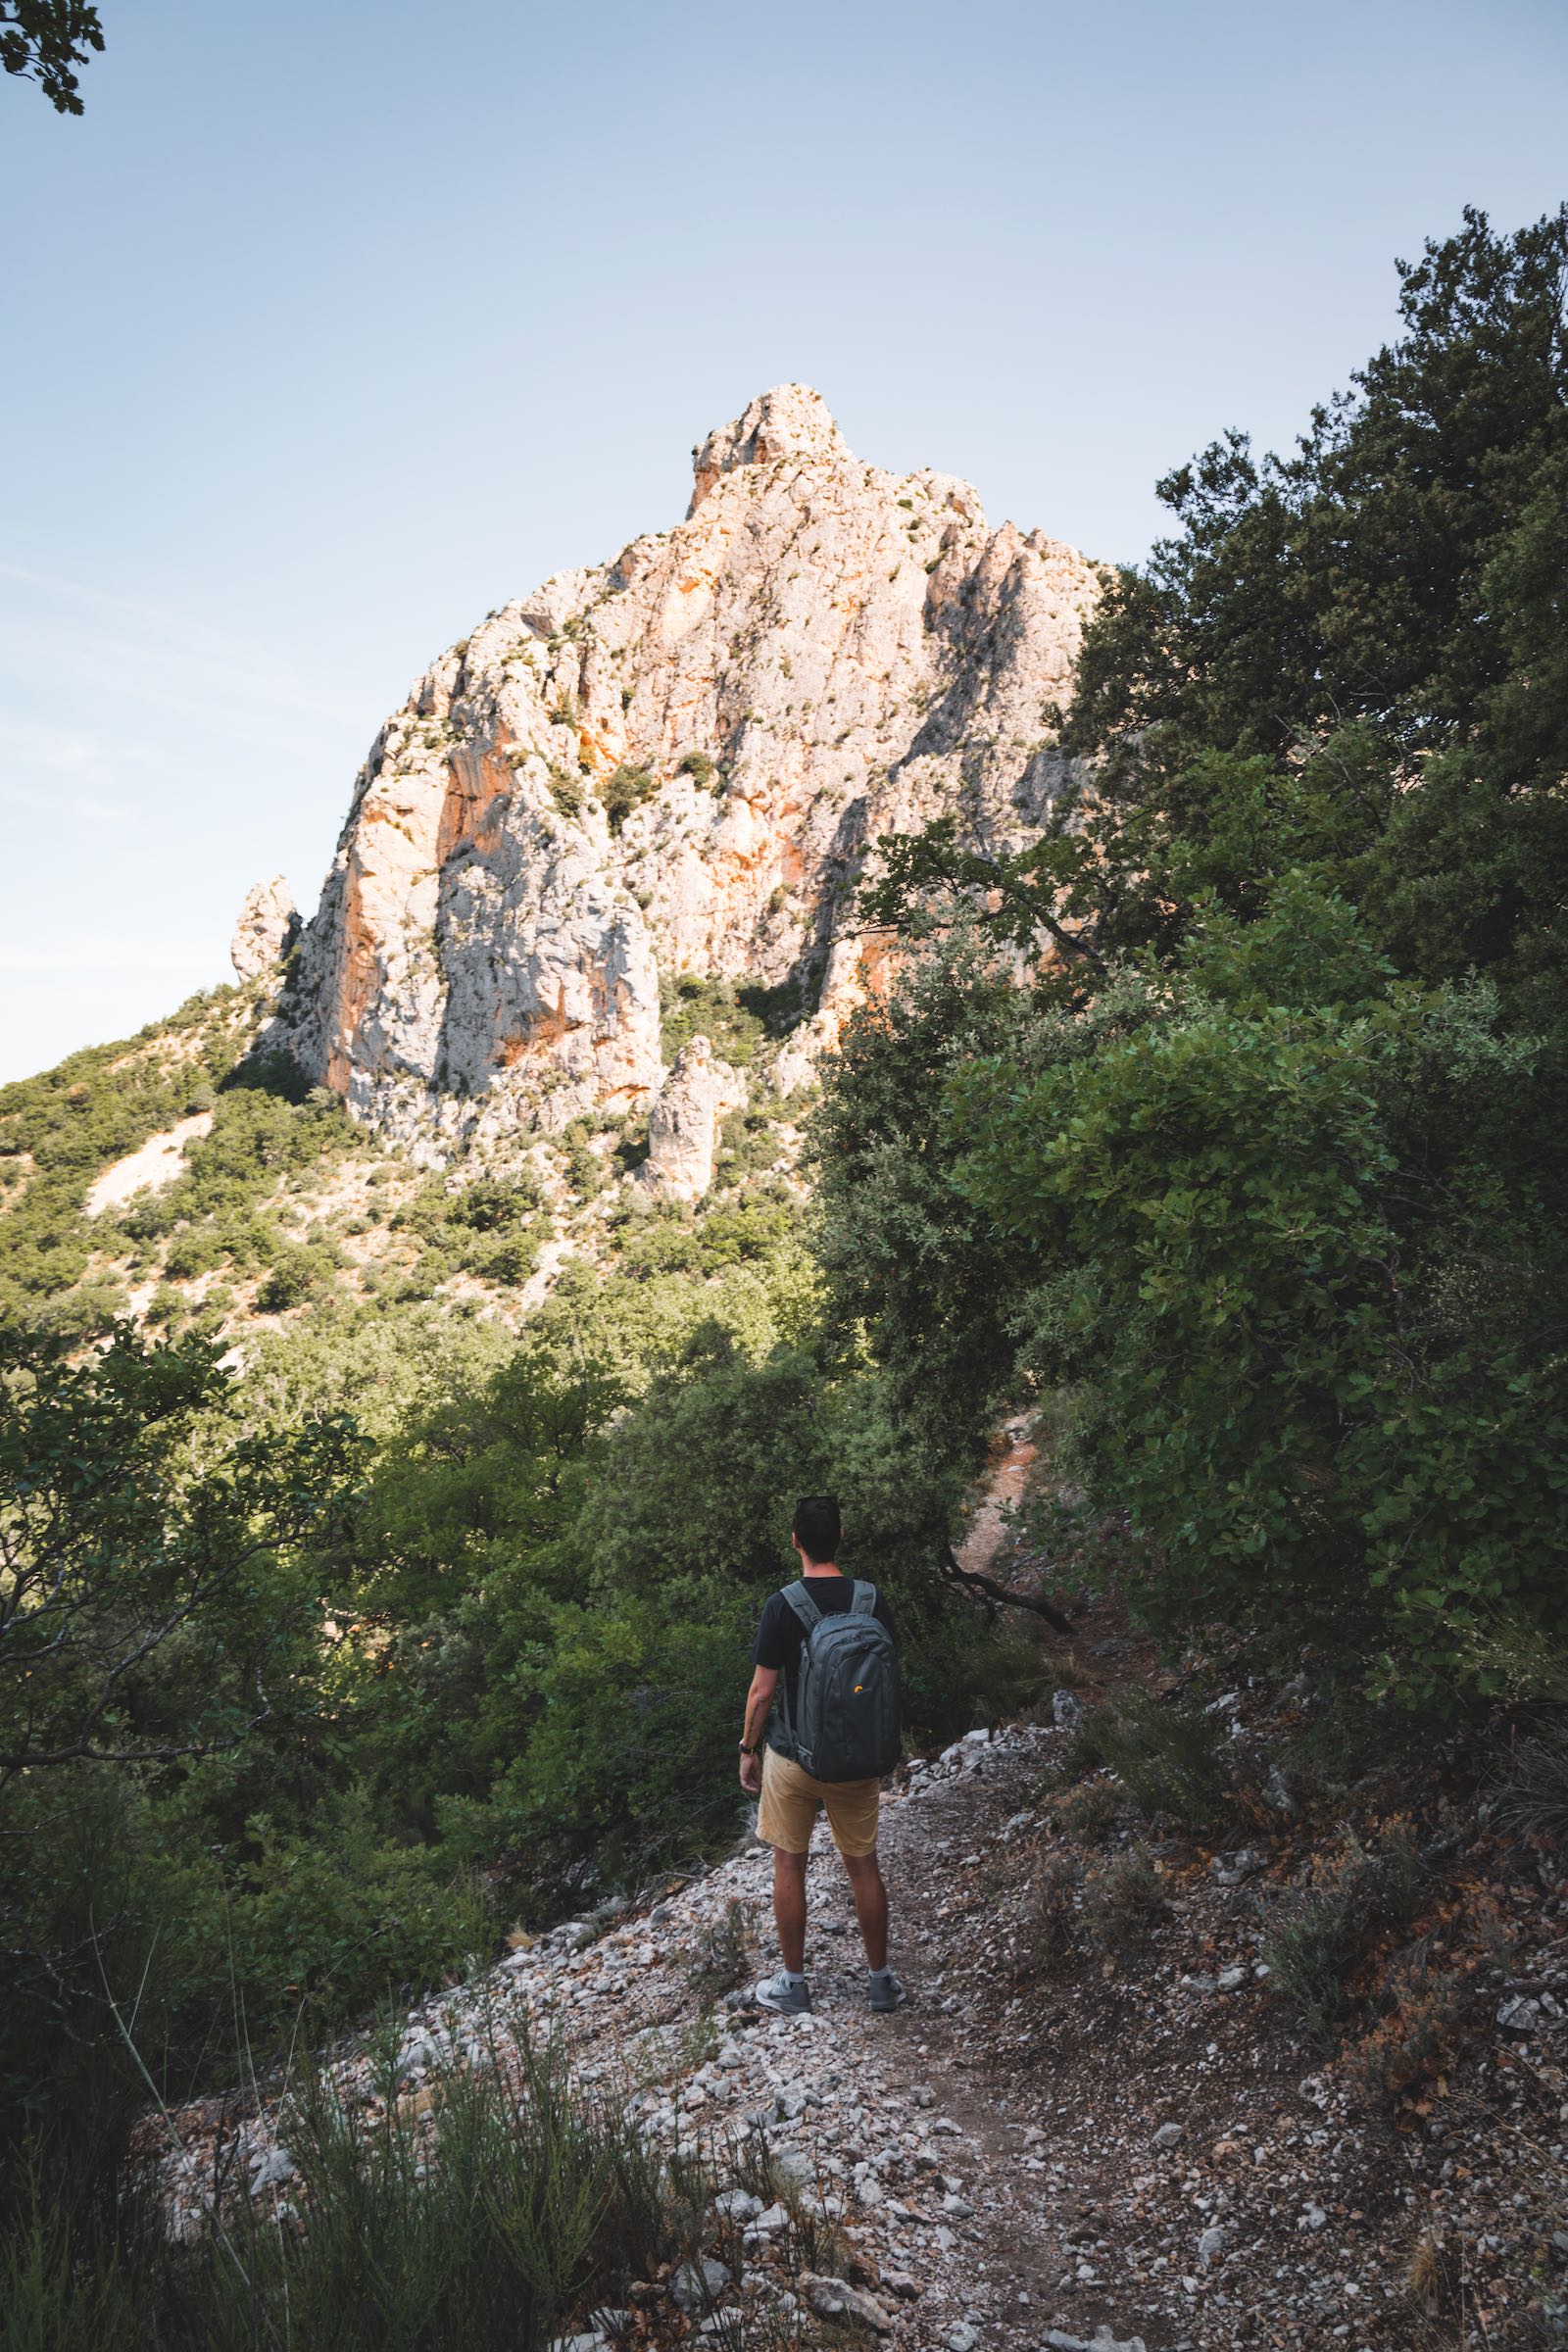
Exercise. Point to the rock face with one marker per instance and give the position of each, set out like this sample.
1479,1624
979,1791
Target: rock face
679,762
683,1123
268,925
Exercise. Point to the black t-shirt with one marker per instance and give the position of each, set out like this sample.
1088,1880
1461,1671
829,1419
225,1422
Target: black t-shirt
781,1637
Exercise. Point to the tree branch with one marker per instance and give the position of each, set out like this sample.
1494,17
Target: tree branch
973,1582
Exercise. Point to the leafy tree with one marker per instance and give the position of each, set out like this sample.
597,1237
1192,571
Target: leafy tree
626,788
1267,1167
45,42
908,1260
1308,1292
145,1605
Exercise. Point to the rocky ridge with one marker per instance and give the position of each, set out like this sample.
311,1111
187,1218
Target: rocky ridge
677,762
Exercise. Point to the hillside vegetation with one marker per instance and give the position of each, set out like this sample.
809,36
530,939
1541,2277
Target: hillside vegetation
371,1580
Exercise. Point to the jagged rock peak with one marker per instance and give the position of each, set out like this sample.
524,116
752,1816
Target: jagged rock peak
790,421
677,763
268,925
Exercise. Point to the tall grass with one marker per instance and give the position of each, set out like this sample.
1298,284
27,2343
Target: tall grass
514,2204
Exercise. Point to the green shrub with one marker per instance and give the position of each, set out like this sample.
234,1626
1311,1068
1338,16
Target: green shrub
701,768
718,1009
1164,1753
88,1310
1084,1813
1048,1921
1121,1900
567,791
298,1274
626,788
522,2201
504,1258
1317,1936
747,1145
192,1252
583,1166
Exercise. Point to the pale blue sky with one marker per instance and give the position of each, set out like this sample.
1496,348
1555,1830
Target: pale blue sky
336,322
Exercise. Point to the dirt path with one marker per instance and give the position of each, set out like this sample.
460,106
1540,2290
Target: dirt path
1065,2139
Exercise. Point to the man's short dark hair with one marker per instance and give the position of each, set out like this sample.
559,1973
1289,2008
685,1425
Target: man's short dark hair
818,1527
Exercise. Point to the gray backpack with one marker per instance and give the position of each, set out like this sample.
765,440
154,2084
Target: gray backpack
847,1725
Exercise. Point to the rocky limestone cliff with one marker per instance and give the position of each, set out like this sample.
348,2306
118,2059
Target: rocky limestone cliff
683,1122
675,764
268,926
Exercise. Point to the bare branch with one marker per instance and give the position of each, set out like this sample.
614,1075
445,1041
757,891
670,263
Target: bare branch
973,1582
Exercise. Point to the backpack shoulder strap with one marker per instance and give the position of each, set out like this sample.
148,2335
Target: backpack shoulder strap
865,1602
805,1607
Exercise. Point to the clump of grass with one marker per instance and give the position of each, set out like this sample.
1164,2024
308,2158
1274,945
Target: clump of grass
1121,1900
720,1960
1425,2278
1531,1792
1321,1933
1048,1918
514,2203
1084,1812
816,2238
1163,1753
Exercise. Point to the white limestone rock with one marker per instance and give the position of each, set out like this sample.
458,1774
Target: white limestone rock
268,925
683,1123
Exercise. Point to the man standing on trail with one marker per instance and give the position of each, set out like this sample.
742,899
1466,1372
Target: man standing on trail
829,1744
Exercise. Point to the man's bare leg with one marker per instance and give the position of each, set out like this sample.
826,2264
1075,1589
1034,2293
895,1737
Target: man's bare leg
870,1904
789,1908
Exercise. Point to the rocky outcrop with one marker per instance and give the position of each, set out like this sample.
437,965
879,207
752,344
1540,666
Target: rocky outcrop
679,762
683,1122
268,925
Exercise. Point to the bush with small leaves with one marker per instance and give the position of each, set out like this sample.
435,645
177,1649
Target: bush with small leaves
298,1274
1422,2014
1049,1914
1122,1899
1318,1936
568,792
1085,1813
626,788
1162,1751
723,1953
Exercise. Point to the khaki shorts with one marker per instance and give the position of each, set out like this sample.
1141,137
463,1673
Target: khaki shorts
791,1799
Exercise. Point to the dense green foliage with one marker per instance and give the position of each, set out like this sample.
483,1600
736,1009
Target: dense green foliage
1261,1177
318,1674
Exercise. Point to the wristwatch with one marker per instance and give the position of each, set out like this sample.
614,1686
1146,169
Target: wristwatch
746,1751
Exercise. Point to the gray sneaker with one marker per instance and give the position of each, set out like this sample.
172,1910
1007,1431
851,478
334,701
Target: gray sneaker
887,1992
776,1992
